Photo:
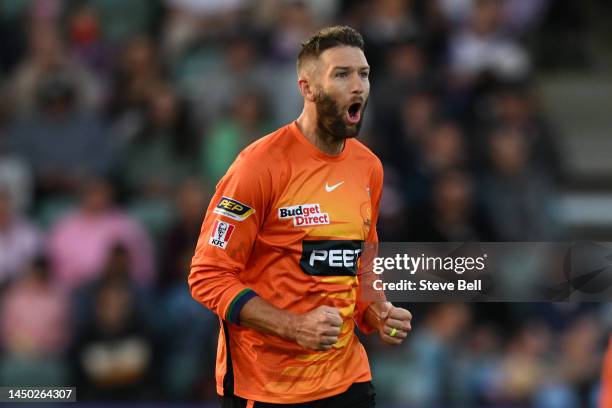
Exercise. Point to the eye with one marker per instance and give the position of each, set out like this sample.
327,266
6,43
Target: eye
341,74
365,74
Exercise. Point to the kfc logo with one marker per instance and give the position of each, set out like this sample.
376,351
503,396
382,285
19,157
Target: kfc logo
221,234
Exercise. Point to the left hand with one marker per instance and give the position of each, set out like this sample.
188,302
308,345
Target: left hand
391,318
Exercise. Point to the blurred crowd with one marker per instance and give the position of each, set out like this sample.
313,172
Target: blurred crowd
118,117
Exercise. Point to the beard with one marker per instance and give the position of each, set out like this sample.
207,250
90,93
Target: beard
331,119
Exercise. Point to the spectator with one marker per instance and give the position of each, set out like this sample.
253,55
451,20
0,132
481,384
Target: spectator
582,357
35,329
452,215
515,105
214,92
394,210
121,21
177,244
248,120
403,128
442,149
86,42
480,361
94,227
405,73
47,56
523,369
138,71
483,48
16,181
164,150
87,146
113,357
517,200
423,376
190,358
293,24
388,21
20,241
117,268
188,23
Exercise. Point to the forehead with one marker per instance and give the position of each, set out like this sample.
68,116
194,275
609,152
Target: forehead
343,56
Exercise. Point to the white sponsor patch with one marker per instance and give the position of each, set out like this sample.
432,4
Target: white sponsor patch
304,215
221,234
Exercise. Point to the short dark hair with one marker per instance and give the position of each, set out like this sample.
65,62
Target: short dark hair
327,38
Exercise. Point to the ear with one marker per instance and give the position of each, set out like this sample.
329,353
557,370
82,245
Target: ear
306,89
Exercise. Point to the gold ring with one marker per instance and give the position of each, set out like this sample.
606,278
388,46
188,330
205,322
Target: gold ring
393,332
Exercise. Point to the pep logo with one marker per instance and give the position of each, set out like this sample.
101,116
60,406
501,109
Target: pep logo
233,209
331,257
231,205
304,215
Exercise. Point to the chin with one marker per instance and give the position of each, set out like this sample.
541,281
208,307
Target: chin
352,131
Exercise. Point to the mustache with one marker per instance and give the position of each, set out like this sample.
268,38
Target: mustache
358,99
329,104
331,120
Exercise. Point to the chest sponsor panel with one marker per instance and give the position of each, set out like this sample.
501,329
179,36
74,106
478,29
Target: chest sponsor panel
331,257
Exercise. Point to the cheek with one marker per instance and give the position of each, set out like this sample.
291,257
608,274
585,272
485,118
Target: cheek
336,86
330,89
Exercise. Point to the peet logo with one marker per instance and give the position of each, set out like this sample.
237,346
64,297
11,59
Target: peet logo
331,257
233,209
336,258
304,215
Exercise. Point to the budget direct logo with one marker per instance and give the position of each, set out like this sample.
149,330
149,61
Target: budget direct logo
304,215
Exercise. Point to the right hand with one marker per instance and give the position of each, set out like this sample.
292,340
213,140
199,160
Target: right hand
318,329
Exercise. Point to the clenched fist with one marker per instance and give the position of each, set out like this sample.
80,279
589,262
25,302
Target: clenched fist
393,322
318,329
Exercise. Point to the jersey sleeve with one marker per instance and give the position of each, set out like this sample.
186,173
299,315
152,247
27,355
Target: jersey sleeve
606,381
227,236
376,187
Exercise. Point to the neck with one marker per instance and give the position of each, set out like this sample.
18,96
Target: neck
307,123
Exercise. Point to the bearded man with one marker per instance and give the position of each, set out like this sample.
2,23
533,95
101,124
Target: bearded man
280,246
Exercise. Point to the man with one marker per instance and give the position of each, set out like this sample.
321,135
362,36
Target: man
278,251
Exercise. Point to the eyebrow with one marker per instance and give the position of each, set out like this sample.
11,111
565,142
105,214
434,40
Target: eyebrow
348,68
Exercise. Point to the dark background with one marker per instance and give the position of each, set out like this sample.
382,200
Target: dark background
118,117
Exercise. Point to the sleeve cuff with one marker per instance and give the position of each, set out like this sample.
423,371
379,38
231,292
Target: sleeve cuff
233,312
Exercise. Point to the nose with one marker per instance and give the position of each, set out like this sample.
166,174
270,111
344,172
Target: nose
357,85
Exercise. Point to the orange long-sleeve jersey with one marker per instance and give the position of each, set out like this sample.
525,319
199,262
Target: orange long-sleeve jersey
287,223
606,381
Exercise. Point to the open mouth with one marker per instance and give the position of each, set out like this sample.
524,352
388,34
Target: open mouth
354,113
